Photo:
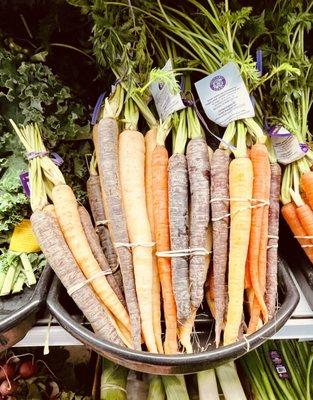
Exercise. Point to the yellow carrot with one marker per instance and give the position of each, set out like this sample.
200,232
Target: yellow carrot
240,187
240,193
68,217
132,176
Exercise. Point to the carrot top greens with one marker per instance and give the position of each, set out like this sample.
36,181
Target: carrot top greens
44,174
181,134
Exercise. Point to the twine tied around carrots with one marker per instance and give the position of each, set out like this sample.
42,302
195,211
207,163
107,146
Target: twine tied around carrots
274,245
196,251
305,237
135,244
72,289
262,203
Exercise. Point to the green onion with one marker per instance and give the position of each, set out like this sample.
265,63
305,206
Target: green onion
175,387
113,381
230,383
207,385
156,389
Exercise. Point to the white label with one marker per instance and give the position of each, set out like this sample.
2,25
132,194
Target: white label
224,96
286,146
165,101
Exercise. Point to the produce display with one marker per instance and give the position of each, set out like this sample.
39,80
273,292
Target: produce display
205,128
158,209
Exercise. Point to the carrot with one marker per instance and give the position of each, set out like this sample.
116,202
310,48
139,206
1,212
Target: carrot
273,230
261,192
185,331
262,271
198,172
240,191
179,220
305,216
289,212
150,143
95,246
306,182
132,175
162,235
209,293
220,225
97,210
95,197
68,217
61,260
108,166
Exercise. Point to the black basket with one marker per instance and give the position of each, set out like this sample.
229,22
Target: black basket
59,303
18,313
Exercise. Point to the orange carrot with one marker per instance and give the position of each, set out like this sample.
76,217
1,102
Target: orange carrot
305,215
162,236
255,312
150,142
261,192
306,182
289,212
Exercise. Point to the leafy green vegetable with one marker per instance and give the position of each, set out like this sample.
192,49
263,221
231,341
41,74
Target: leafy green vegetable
30,92
19,269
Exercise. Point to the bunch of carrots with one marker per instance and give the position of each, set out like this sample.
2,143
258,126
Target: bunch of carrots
155,221
171,228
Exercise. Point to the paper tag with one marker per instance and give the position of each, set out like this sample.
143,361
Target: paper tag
165,101
224,96
286,145
23,239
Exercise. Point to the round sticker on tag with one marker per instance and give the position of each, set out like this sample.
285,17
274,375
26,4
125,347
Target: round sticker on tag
217,83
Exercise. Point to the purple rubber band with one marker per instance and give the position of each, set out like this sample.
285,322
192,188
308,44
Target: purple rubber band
259,61
97,108
273,132
24,179
58,160
33,154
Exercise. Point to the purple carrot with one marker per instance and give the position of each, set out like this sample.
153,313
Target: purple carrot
98,214
273,230
198,171
94,243
179,220
220,208
108,165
